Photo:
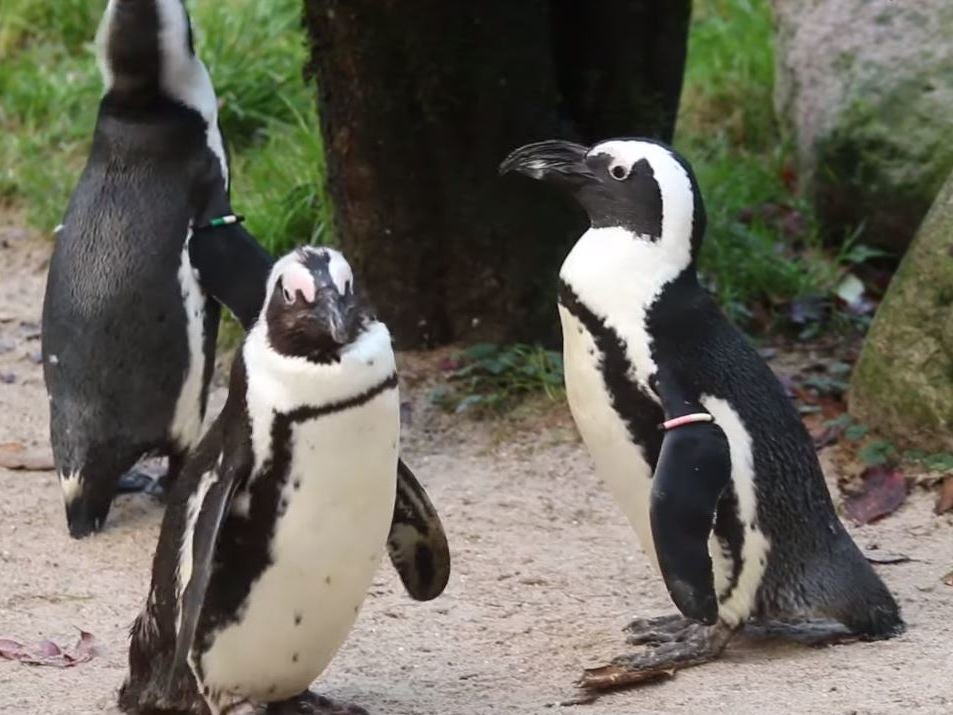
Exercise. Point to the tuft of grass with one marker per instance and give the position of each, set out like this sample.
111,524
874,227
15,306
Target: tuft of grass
64,23
279,184
487,378
255,51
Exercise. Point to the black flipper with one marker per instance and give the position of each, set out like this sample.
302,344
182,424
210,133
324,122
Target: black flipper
417,544
231,471
233,268
694,467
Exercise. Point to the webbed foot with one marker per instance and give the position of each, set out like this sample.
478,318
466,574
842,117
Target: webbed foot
138,480
660,629
690,644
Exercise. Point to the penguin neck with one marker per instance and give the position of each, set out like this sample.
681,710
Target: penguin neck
615,272
146,58
287,382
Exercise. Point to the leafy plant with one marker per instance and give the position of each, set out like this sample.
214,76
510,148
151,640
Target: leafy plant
490,378
877,452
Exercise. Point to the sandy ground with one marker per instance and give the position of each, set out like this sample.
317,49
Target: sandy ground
546,573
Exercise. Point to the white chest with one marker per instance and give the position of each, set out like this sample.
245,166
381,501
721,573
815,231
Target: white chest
620,463
338,504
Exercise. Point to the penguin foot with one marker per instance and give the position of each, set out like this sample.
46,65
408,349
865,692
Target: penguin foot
696,645
134,481
660,629
137,481
308,703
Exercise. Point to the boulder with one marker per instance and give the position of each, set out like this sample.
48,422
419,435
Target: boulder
903,382
866,89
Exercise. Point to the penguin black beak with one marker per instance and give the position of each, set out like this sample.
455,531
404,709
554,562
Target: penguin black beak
554,161
331,311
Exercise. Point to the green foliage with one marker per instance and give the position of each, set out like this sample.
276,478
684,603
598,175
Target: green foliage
875,451
878,452
255,52
762,250
489,378
64,23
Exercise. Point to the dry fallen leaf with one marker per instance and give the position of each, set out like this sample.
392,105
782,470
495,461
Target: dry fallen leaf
46,652
14,455
944,502
886,558
882,492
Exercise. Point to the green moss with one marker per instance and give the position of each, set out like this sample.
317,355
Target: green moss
903,383
886,158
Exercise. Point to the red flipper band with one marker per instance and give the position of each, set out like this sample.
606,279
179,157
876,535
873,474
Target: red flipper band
686,420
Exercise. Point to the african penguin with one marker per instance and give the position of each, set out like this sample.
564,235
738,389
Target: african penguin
687,426
278,522
129,328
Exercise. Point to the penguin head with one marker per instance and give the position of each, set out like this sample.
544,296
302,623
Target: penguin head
145,45
640,185
312,309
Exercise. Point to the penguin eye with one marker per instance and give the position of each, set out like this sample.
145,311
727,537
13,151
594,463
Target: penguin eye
289,296
618,172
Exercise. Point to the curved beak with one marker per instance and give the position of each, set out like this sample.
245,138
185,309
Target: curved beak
555,161
332,310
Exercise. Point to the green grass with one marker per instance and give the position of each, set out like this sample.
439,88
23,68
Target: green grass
255,52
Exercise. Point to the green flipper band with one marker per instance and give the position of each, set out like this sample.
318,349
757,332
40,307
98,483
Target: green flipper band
227,220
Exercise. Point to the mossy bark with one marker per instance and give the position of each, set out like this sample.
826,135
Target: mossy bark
903,382
419,102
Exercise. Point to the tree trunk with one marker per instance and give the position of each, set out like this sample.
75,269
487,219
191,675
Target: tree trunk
421,99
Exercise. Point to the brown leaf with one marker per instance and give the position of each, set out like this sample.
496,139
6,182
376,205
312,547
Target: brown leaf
609,677
948,579
884,489
46,652
886,558
944,502
14,455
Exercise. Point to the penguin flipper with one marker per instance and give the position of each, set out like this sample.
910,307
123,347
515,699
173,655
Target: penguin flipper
417,544
228,475
693,469
233,268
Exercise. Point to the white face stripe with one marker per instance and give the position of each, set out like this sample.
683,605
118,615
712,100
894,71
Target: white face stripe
678,200
338,267
102,41
295,278
185,77
340,271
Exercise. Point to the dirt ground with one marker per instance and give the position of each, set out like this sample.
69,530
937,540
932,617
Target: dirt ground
546,573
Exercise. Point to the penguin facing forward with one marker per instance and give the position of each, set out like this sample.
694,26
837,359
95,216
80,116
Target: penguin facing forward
129,321
277,524
687,426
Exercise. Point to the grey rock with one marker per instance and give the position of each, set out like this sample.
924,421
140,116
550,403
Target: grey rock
866,88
